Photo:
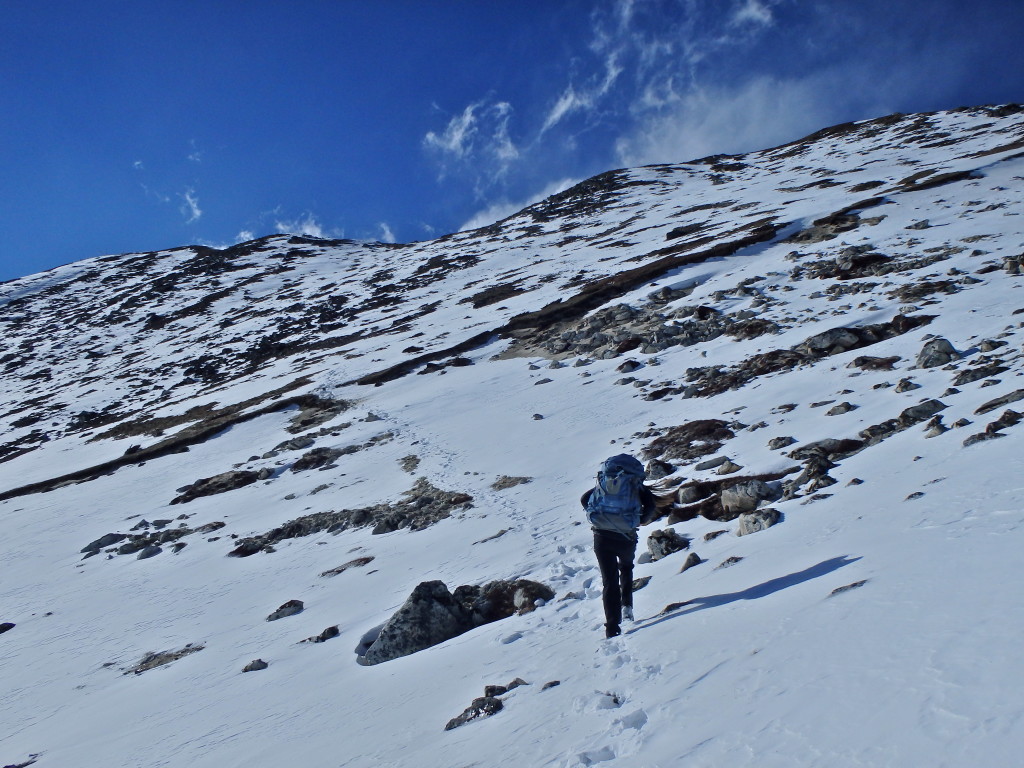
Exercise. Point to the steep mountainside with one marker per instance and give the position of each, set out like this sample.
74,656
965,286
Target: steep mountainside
832,325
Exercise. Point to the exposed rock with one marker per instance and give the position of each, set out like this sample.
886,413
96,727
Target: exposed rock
848,587
255,666
317,459
867,363
980,372
640,583
290,608
841,408
991,405
714,463
422,506
550,684
728,562
656,469
727,468
222,483
936,352
485,706
831,448
692,559
689,441
409,463
93,547
358,562
758,520
506,481
431,614
662,543
327,634
148,552
6,627
712,535
153,660
906,385
781,442
744,497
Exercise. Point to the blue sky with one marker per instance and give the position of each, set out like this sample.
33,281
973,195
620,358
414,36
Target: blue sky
136,126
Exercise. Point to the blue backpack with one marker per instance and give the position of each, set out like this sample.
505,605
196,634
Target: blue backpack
618,489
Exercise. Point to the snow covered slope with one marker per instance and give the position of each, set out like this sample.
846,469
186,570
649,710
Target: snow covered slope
768,309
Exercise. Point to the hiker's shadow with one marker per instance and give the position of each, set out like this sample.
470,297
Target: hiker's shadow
751,593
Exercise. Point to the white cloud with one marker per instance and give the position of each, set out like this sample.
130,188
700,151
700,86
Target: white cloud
138,166
386,235
761,113
500,209
457,137
755,12
190,208
304,225
479,134
587,98
244,236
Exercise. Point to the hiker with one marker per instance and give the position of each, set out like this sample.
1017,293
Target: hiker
615,506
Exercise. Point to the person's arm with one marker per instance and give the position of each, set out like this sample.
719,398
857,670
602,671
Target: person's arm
585,498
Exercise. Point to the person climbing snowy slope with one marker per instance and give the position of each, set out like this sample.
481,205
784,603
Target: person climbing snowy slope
615,507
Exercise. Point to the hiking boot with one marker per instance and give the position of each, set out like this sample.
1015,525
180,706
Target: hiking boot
612,632
627,612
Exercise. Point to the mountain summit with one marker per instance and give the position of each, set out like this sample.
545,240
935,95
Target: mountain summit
359,465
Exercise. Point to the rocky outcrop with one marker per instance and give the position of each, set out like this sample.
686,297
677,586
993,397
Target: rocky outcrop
422,506
154,660
488,704
290,608
758,520
744,497
432,614
935,353
210,486
662,543
255,665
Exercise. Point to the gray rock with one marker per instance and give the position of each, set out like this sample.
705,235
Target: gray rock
209,486
6,627
781,442
430,615
841,408
483,707
745,497
290,608
758,520
327,634
147,552
104,541
935,353
692,559
714,463
662,543
728,468
255,665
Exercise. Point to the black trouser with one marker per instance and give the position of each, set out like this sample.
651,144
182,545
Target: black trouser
615,558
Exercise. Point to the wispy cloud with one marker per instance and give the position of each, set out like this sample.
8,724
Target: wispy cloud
477,137
758,12
306,224
190,207
386,235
